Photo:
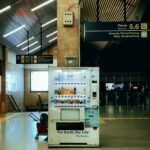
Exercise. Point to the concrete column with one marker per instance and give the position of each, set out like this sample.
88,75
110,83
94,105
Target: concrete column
68,37
3,83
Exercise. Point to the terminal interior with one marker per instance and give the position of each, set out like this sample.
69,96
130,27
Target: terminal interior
124,87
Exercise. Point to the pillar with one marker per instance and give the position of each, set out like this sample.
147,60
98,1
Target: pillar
3,82
68,37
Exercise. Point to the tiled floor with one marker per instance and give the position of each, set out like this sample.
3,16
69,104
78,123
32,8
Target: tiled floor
120,129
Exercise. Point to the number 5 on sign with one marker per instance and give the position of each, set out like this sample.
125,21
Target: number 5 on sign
131,27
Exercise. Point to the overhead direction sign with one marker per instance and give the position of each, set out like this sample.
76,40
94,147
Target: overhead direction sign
101,31
34,59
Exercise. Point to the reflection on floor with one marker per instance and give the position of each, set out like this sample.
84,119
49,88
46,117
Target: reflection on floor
125,128
121,128
123,111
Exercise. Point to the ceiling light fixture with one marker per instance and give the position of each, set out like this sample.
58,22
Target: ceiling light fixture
5,35
42,5
35,49
29,46
5,9
53,39
25,42
49,22
51,34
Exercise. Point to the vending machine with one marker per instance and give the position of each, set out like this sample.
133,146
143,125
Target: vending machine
73,108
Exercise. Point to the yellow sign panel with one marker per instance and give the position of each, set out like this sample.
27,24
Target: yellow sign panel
144,26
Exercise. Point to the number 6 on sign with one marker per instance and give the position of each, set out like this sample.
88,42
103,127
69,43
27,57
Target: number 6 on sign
136,26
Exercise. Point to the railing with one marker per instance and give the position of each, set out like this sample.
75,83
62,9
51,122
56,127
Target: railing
13,103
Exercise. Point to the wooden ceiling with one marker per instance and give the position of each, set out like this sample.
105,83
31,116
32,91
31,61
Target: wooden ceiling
107,10
21,14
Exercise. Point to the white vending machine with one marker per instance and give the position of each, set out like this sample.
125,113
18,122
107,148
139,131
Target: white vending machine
73,108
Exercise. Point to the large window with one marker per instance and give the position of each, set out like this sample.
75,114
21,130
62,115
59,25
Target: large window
39,81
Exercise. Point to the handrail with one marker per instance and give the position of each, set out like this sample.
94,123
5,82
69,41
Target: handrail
11,98
15,103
